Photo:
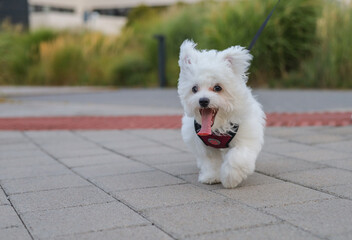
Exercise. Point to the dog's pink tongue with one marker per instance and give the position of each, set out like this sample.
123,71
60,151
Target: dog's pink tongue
207,115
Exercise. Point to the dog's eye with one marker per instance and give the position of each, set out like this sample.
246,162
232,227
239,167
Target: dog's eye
195,89
217,88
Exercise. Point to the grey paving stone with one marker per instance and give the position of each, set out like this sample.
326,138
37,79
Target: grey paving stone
193,179
166,196
33,171
179,168
112,169
289,132
11,135
17,146
14,233
94,160
52,142
344,191
59,153
60,198
140,233
273,165
27,161
268,140
177,143
323,218
3,198
318,155
286,148
136,180
65,141
318,178
8,217
97,217
51,136
317,138
258,179
69,146
14,153
166,158
192,219
143,151
158,134
130,144
107,136
268,156
343,146
342,236
343,131
252,180
35,184
342,163
276,194
267,232
9,141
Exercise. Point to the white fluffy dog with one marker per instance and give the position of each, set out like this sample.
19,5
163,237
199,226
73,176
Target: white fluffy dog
223,123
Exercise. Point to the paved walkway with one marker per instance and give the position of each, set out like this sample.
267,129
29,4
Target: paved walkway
142,184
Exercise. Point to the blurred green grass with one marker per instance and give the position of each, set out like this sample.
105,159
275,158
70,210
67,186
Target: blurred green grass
307,44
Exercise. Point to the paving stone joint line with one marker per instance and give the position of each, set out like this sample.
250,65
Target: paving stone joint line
309,187
126,204
154,168
258,209
106,229
18,215
262,210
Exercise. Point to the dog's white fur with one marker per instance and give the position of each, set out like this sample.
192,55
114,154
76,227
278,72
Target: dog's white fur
235,104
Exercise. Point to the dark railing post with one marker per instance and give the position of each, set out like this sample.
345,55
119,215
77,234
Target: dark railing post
161,60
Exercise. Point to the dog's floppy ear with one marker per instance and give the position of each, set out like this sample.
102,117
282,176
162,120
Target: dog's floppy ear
237,58
187,51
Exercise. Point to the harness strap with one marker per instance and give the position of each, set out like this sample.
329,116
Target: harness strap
217,140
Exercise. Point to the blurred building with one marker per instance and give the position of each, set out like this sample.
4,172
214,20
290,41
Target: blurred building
15,11
107,16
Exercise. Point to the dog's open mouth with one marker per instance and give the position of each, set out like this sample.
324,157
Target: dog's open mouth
208,117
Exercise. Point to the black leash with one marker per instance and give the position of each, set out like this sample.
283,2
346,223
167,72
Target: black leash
262,27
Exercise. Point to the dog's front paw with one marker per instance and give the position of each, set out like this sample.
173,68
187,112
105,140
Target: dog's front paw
208,178
231,176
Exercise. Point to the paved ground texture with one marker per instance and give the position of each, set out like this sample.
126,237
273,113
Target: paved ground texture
142,183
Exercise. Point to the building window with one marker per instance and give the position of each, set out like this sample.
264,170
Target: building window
41,8
118,12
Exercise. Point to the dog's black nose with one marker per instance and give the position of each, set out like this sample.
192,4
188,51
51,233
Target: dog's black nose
204,102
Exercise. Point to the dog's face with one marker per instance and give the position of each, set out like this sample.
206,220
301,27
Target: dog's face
212,84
